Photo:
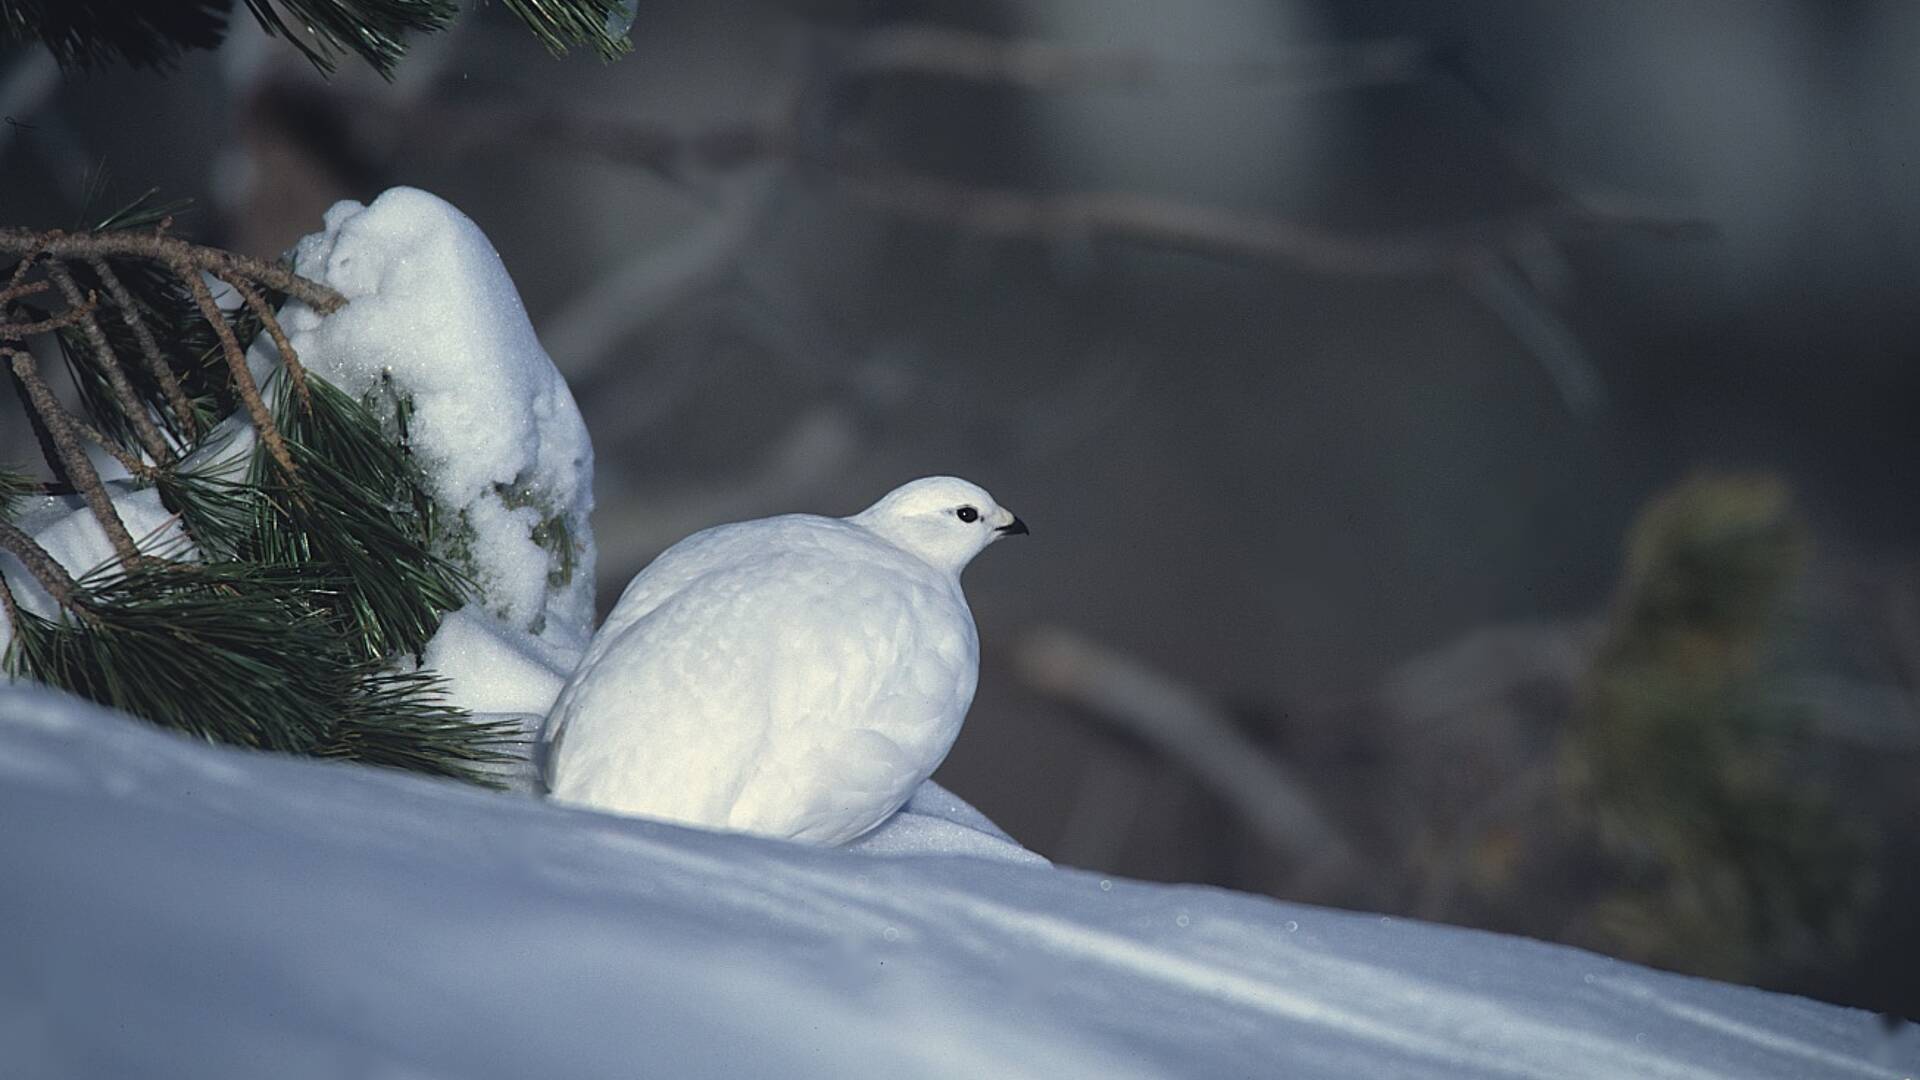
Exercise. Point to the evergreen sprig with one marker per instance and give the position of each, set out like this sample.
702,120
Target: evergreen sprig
201,648
142,33
375,29
14,486
154,33
294,617
395,721
356,507
560,24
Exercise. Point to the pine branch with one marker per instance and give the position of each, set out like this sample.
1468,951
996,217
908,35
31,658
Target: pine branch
185,423
198,648
374,29
597,24
45,569
141,33
131,407
154,33
355,512
271,324
160,248
237,369
14,486
394,720
311,572
73,460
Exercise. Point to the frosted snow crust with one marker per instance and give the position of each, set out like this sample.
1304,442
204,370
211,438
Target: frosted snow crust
175,909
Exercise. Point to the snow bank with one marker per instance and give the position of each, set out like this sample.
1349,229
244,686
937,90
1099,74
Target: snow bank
180,910
432,318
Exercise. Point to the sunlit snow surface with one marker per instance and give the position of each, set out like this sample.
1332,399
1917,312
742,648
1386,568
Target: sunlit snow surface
172,909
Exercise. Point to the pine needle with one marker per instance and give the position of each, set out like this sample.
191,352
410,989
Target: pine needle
597,24
398,720
14,486
355,511
375,29
142,33
199,648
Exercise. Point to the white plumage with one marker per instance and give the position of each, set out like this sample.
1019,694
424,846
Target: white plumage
795,676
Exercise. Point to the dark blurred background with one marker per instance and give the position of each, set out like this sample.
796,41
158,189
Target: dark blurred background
1468,445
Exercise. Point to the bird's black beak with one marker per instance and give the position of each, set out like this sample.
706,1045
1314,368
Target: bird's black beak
1016,527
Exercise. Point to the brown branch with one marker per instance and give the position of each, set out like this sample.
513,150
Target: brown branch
41,436
1181,723
15,290
159,247
1218,231
157,365
9,607
264,311
42,565
944,52
19,331
131,406
243,380
73,459
127,460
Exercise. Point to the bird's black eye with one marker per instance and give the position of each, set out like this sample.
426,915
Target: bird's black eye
967,514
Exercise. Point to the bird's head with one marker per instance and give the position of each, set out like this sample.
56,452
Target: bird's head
942,519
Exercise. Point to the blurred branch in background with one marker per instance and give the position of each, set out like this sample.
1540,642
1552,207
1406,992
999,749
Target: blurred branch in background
1181,724
943,52
677,152
803,137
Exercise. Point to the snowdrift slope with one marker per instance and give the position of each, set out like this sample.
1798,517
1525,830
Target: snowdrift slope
171,909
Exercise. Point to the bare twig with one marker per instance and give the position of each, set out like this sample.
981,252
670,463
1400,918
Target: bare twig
657,280
129,461
243,381
159,247
20,331
1186,727
130,404
15,290
944,52
41,564
73,459
264,311
149,348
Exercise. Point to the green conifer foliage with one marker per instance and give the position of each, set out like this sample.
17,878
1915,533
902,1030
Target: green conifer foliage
154,33
291,613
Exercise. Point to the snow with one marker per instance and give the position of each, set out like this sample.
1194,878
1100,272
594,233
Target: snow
175,909
432,309
492,668
795,676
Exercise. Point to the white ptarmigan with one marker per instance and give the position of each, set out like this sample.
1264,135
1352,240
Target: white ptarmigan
795,676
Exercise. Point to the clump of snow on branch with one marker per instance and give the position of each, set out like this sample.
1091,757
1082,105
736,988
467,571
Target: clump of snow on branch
434,328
